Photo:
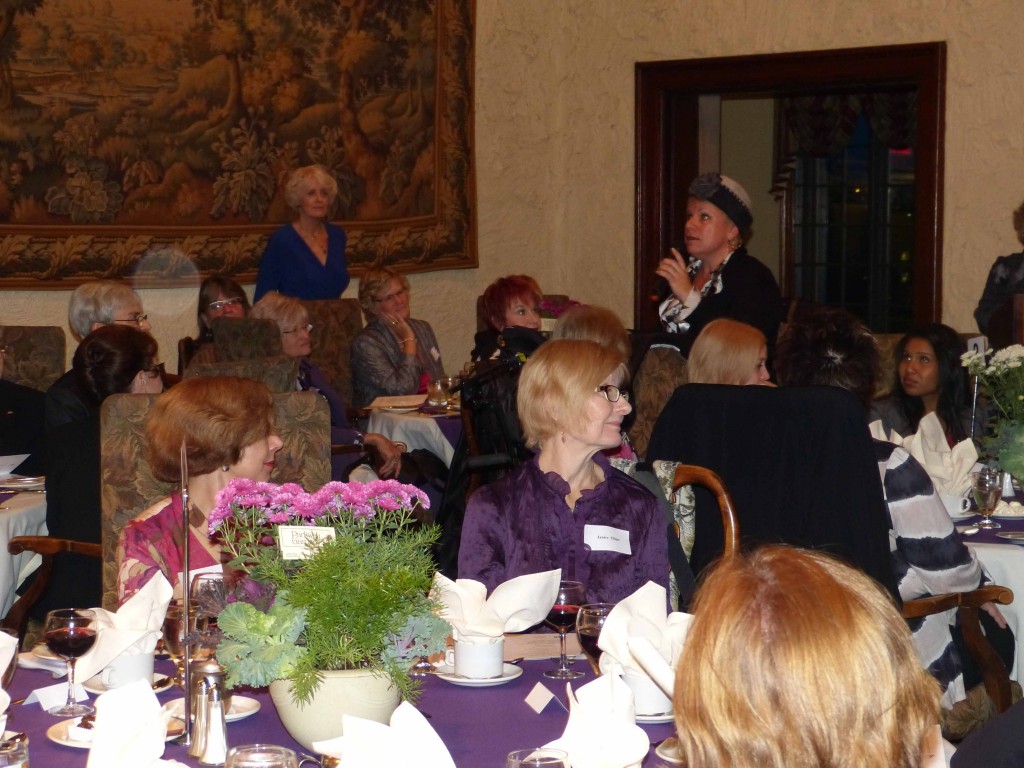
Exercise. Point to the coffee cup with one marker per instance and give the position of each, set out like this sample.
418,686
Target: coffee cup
477,660
648,698
127,668
956,506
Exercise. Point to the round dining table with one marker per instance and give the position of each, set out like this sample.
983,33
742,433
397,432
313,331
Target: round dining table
479,725
21,514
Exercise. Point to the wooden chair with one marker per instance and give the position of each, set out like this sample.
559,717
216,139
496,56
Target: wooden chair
16,619
689,474
336,322
277,373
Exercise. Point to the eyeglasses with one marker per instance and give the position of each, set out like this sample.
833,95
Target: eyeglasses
155,371
217,306
612,393
308,327
138,318
392,296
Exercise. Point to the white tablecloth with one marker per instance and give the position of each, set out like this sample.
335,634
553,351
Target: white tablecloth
1005,564
25,516
415,430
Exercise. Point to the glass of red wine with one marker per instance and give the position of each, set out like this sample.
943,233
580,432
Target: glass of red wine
70,633
562,616
589,622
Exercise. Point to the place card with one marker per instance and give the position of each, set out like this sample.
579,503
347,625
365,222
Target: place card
540,696
55,695
299,542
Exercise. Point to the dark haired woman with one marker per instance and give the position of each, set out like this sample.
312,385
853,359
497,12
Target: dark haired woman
218,297
110,360
930,379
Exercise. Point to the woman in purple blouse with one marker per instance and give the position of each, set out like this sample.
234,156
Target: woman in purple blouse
568,508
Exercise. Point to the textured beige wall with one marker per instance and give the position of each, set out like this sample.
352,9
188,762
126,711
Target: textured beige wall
554,128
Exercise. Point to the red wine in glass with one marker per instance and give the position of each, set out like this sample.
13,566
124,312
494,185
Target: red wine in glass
588,642
70,633
571,595
589,623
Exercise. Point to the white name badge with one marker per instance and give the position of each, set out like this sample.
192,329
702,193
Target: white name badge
300,541
604,538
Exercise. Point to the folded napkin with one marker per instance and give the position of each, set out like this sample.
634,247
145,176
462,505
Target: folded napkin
601,732
949,468
642,616
516,605
408,740
8,647
134,628
130,729
28,660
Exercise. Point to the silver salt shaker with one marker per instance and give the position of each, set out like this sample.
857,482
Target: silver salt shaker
200,716
215,733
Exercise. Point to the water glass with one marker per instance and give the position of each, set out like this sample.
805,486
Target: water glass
538,757
987,486
261,756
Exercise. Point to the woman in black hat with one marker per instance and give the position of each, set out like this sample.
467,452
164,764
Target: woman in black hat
716,277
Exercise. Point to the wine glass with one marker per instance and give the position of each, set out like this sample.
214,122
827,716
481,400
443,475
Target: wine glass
174,631
562,616
538,757
589,622
70,633
209,596
987,486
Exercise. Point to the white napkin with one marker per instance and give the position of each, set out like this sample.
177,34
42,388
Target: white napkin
28,660
949,468
130,729
601,732
516,605
408,740
8,647
134,628
642,615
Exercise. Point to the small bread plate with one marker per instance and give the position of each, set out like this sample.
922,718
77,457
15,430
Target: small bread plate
1017,537
509,673
397,408
95,685
14,482
663,717
58,733
1007,516
241,708
668,751
42,650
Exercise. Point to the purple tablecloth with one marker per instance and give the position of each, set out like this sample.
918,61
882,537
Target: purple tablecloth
990,535
478,725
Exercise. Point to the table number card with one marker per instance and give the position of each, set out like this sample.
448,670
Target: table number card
298,542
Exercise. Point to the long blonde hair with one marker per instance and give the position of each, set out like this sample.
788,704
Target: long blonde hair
725,352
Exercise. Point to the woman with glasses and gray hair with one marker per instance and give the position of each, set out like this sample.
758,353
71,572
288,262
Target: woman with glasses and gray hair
394,354
567,507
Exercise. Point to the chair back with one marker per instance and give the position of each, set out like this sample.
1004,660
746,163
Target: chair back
277,373
303,422
662,369
336,322
798,461
245,338
35,354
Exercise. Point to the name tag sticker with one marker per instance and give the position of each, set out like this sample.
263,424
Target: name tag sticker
604,538
435,354
298,542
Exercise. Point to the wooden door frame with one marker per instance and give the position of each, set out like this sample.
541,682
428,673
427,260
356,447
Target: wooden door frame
667,138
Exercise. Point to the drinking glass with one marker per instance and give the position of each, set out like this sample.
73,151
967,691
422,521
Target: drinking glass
589,622
987,486
538,757
562,616
209,596
261,756
70,633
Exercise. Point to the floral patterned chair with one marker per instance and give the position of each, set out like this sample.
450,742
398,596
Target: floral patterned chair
335,323
128,485
277,373
35,354
245,339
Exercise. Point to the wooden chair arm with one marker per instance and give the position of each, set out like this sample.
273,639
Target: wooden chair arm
689,474
926,606
49,546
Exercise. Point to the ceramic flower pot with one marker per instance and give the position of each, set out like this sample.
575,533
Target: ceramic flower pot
356,692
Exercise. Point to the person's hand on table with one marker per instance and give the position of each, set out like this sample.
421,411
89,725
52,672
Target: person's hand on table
675,270
992,610
390,454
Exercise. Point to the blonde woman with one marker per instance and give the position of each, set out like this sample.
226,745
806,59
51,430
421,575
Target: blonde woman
728,352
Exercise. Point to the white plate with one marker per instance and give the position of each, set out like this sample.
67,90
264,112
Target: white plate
963,516
58,733
1008,517
42,650
398,408
241,708
668,751
15,481
664,717
510,672
95,685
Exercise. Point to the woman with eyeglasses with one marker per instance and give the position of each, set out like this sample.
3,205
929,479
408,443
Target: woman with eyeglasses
219,297
306,258
394,354
568,508
293,320
112,359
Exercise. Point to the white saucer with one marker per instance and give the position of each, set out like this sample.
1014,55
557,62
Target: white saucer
664,717
668,751
963,516
398,408
509,673
241,708
58,733
95,685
